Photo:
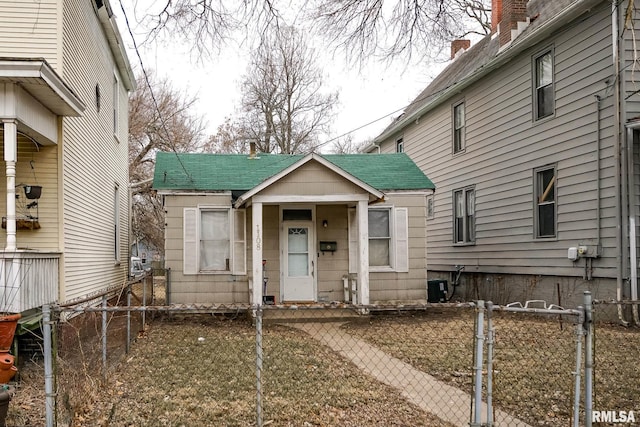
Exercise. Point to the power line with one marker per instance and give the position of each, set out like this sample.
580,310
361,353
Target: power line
153,97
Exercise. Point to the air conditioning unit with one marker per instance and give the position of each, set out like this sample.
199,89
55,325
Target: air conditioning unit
437,290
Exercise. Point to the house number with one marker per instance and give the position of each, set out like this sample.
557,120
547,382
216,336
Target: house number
258,239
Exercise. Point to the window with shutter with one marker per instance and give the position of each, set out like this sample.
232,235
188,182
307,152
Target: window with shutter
239,242
401,240
214,241
190,241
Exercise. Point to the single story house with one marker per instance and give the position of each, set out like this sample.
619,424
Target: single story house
294,228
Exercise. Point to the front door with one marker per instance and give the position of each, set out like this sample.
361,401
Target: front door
298,271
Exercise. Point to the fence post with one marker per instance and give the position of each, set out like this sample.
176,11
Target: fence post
576,373
490,341
588,358
48,366
167,287
258,313
477,415
104,337
128,319
144,296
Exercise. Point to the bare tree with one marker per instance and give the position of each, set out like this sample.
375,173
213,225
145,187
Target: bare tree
230,138
207,24
400,28
285,109
347,145
160,119
362,28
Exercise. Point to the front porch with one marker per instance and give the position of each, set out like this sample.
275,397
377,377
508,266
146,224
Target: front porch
28,280
33,98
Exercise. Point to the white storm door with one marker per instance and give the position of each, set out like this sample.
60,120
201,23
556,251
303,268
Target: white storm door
299,262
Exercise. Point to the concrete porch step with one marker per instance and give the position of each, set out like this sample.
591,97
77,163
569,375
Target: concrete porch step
300,313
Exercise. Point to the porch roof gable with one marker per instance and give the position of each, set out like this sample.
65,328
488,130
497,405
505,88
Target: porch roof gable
238,172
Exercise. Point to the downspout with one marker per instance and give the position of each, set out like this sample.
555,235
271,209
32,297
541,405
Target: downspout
598,166
633,255
618,178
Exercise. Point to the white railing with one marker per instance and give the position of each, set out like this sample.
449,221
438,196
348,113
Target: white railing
27,280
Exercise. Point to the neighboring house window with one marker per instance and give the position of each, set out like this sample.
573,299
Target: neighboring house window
400,146
464,222
214,241
388,239
116,103
458,127
543,77
545,203
430,207
116,223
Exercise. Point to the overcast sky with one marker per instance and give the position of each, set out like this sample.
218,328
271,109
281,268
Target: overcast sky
372,94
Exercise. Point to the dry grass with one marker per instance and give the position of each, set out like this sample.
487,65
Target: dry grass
534,360
171,378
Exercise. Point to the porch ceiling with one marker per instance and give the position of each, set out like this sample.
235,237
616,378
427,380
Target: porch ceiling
37,78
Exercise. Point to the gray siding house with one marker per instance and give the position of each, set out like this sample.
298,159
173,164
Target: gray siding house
293,228
532,139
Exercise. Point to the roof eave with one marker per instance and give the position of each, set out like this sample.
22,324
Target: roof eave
503,56
116,45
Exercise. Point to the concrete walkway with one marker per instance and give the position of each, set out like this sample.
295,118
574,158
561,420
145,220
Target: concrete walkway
436,397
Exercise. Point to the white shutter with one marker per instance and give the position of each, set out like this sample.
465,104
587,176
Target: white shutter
401,240
239,256
353,241
190,241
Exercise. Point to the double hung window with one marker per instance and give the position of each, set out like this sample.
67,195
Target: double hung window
464,222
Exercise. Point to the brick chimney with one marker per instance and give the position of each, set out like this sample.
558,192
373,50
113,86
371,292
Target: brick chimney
456,45
496,14
513,11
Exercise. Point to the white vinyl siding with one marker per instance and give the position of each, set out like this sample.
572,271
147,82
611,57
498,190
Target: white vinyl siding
31,29
214,241
90,160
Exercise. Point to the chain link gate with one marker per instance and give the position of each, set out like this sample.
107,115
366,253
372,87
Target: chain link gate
528,360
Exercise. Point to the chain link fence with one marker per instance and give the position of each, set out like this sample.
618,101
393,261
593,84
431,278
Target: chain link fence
335,365
616,369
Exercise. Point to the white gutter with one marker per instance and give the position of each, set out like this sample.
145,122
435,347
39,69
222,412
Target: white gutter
618,179
538,34
633,214
117,46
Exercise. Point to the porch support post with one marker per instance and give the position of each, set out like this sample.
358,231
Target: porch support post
363,252
10,158
256,221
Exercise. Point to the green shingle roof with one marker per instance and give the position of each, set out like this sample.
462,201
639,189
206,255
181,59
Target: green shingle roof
233,172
